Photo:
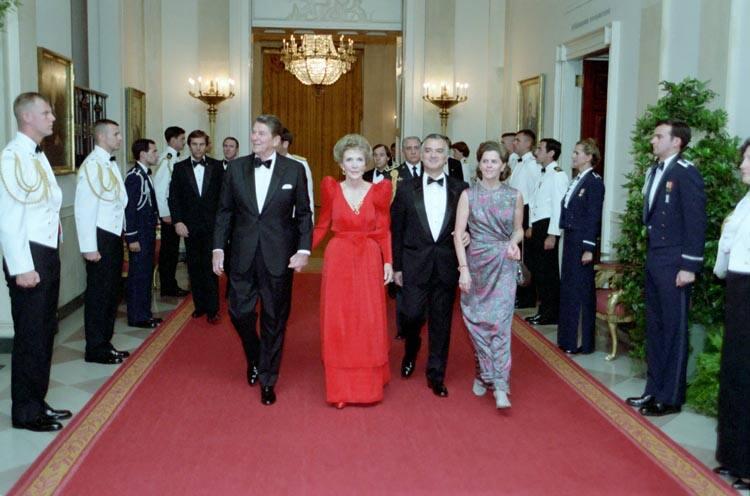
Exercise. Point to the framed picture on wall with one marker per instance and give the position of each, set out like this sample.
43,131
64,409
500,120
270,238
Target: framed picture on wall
135,118
56,84
531,103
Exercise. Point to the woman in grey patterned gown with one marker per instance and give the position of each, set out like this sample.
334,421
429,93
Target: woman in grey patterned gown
493,214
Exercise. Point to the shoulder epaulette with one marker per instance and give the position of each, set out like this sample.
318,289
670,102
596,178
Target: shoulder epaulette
298,157
596,175
685,163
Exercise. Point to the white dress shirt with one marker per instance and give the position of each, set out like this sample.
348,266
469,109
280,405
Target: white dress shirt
574,184
377,176
263,180
525,176
27,215
162,178
734,244
100,199
659,172
198,172
435,200
546,202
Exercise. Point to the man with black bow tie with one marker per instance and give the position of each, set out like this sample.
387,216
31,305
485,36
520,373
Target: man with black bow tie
231,147
193,199
423,215
265,195
100,220
674,213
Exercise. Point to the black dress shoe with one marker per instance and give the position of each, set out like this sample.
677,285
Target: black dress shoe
39,424
110,357
145,324
639,401
400,337
533,317
722,470
252,375
574,351
438,387
657,409
407,367
581,351
52,414
213,318
197,314
741,485
544,321
181,292
121,354
267,395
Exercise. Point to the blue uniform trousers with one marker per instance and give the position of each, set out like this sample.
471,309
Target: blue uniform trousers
577,296
140,270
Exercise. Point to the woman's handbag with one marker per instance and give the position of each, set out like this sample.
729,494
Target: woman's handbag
523,275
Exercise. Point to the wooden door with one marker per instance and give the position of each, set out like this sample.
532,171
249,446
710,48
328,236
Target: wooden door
317,121
594,106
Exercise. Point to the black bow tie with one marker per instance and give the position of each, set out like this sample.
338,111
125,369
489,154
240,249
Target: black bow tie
112,159
659,166
38,149
178,154
438,181
200,162
148,171
378,173
265,163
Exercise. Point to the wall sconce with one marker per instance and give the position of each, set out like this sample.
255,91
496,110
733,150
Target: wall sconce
212,94
444,99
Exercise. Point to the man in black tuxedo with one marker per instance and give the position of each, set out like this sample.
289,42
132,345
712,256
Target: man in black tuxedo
265,196
411,166
193,199
453,167
422,218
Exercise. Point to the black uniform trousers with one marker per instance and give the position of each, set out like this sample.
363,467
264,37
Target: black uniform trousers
140,271
34,312
733,440
526,295
433,302
102,292
545,270
666,326
203,282
577,296
169,252
275,294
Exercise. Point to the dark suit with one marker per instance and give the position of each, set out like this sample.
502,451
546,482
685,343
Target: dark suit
429,267
581,220
454,169
676,228
262,241
141,217
198,213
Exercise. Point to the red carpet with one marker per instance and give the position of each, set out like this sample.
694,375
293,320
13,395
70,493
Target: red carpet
179,418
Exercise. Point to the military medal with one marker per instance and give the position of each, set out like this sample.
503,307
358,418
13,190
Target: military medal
669,190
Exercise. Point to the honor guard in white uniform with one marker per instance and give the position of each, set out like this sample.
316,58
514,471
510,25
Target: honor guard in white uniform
100,218
524,177
169,247
29,234
544,217
287,138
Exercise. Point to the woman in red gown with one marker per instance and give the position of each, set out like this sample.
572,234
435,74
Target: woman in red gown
356,266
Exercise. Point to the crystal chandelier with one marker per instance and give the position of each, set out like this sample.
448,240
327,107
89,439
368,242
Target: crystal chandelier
317,61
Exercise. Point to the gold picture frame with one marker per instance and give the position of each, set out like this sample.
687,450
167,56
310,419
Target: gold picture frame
531,104
135,118
56,79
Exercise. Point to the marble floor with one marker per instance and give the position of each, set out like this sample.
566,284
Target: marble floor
73,382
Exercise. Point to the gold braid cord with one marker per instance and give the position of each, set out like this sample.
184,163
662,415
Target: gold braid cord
113,186
394,182
41,182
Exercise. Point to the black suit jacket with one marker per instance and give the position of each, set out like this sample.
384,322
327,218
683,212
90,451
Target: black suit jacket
281,228
415,252
454,169
197,212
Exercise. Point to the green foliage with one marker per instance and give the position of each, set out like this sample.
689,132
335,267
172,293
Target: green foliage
714,152
5,7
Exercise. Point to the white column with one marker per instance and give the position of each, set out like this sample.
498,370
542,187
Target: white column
738,71
237,110
414,37
680,39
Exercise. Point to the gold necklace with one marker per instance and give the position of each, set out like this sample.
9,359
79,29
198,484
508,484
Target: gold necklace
355,208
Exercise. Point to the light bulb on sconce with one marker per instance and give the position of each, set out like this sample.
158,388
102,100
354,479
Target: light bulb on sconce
212,94
447,97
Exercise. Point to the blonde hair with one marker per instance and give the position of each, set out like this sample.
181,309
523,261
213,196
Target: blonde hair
590,148
352,142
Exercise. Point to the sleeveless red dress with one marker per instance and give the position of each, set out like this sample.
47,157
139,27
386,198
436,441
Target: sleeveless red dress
354,335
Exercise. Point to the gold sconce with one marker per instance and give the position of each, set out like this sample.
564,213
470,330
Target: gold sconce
444,99
212,94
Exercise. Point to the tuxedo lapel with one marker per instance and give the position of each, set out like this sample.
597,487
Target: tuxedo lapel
191,178
248,173
449,207
420,208
278,171
206,178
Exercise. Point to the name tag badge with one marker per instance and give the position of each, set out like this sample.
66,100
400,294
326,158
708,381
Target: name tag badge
666,199
580,193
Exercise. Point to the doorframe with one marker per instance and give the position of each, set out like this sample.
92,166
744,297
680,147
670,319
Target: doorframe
567,110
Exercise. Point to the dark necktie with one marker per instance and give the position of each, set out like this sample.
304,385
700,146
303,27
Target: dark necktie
38,149
201,162
414,172
112,159
438,181
265,163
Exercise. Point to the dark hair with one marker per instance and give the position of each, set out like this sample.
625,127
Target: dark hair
198,133
679,130
172,132
744,148
387,150
461,147
101,124
494,146
141,146
287,135
505,135
590,148
436,136
237,143
24,99
273,123
552,145
531,134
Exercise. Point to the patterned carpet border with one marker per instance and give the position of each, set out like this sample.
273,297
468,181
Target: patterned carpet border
671,457
48,472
